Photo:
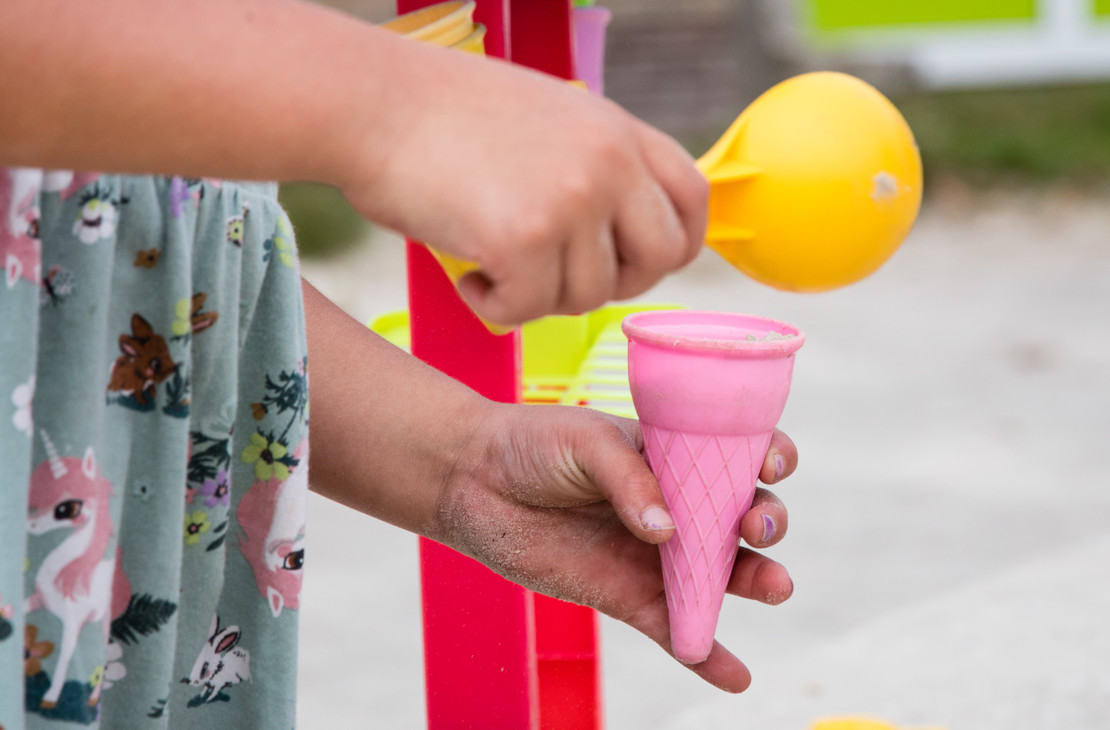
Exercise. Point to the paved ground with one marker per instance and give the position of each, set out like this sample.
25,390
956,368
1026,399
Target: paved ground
950,521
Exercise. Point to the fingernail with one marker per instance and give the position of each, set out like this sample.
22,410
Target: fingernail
768,529
656,518
780,466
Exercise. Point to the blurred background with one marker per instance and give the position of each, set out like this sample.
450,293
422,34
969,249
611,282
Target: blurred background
950,521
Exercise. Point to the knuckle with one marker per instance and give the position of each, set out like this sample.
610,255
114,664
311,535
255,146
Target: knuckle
578,187
584,302
609,144
699,189
529,231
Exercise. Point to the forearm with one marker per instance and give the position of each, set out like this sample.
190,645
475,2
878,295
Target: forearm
245,89
386,429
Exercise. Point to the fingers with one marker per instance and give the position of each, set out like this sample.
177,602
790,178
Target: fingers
682,183
758,578
624,479
516,288
781,459
766,522
721,668
591,272
636,213
546,268
660,225
650,240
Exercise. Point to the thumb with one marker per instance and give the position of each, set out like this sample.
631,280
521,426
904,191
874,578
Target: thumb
623,477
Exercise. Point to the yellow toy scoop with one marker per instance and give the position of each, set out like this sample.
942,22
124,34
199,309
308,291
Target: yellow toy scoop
814,185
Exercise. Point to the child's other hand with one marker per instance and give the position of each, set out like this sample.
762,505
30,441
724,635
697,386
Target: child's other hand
560,500
564,200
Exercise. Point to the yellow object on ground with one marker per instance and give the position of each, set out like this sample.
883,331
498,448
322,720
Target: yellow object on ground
859,723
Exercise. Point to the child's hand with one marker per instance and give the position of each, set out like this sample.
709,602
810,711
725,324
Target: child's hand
564,200
561,500
556,498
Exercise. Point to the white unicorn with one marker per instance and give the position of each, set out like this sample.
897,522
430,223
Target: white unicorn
75,581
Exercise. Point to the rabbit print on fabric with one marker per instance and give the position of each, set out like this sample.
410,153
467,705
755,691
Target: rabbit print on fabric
144,362
153,431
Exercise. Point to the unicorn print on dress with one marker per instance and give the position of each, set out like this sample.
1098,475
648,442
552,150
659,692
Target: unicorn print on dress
272,515
20,248
66,183
78,579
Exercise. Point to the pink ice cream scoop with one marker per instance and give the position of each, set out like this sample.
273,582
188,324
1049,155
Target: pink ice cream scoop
709,388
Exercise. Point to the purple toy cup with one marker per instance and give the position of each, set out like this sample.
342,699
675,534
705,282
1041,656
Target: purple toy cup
590,23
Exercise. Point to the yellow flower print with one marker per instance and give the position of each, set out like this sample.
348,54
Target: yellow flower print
196,524
281,243
96,220
266,455
237,228
182,312
97,676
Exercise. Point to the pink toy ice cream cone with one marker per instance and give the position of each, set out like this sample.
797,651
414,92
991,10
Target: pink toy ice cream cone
709,388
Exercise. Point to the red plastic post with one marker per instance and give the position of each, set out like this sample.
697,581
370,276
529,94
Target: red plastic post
496,655
494,14
568,665
479,629
566,635
569,672
542,36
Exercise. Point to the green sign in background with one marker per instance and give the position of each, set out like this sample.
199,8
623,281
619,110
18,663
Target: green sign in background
834,15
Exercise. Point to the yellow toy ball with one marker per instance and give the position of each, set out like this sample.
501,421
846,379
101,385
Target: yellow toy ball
814,185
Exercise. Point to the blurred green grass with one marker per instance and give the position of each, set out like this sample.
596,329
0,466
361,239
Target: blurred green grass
1045,136
1056,135
1052,136
324,223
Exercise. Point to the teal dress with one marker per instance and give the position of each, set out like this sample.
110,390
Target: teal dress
153,453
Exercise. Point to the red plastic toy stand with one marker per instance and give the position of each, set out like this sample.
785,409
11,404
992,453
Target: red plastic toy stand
496,655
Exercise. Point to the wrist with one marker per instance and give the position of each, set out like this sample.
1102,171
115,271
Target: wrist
463,452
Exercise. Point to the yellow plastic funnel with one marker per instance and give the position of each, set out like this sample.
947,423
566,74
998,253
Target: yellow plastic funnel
475,42
814,185
442,24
